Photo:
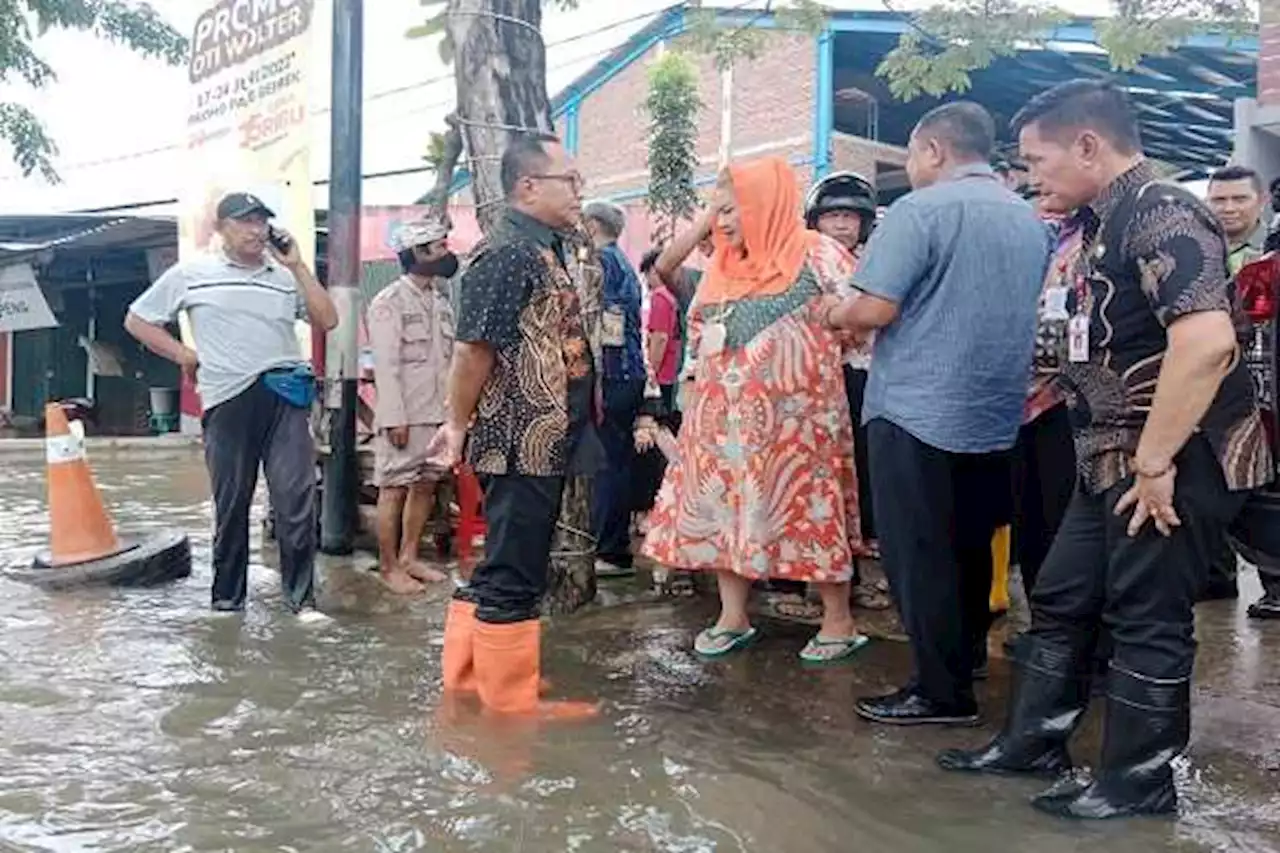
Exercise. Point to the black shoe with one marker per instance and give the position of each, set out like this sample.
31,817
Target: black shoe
1267,607
981,661
1066,787
1046,702
228,607
1148,724
908,708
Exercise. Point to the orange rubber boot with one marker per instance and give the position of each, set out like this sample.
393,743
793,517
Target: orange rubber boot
508,667
458,658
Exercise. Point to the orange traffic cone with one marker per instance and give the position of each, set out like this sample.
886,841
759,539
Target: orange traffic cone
80,530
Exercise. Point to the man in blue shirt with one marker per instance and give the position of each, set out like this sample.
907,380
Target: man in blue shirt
950,280
623,391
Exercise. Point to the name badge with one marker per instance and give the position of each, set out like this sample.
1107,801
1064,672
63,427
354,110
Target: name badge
1078,339
1055,303
613,328
714,336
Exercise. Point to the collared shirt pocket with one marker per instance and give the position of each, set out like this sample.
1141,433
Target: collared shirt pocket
416,338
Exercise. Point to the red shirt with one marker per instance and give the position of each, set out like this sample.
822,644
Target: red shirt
663,320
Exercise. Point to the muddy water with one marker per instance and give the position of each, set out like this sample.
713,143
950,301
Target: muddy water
136,721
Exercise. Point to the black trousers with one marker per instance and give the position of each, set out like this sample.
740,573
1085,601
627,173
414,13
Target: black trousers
1140,590
258,428
611,497
936,512
1044,478
855,390
1223,567
520,514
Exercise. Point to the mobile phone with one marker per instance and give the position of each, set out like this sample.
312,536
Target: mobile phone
278,240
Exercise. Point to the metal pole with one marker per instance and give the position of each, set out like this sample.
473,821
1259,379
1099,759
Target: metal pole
339,507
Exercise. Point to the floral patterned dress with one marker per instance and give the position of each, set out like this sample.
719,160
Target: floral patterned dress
764,485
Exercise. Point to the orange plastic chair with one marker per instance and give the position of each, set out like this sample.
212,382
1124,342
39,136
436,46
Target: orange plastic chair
470,511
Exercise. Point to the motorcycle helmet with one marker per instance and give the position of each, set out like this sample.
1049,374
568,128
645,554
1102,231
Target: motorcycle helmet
842,191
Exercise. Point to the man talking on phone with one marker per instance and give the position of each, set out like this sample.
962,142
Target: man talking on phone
243,298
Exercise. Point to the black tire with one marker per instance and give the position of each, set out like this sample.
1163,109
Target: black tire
156,559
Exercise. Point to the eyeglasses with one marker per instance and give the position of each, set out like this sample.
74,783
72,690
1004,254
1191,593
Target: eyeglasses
573,179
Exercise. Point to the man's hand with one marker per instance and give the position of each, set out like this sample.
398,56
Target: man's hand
398,436
291,258
187,362
445,448
1152,500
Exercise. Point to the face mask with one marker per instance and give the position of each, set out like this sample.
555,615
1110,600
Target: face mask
445,266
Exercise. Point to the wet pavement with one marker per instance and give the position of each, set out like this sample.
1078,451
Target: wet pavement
134,720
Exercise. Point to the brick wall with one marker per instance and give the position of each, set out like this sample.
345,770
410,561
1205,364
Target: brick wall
613,126
855,154
772,113
1269,53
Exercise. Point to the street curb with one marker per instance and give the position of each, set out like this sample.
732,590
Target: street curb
105,446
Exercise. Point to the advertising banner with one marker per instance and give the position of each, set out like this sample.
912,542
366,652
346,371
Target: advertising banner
248,122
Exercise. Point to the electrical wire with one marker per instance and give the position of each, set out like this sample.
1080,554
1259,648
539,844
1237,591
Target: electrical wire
372,98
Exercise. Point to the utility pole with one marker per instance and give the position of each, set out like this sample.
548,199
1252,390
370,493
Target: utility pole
338,511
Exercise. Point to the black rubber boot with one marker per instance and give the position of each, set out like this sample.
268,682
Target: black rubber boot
1047,700
1148,724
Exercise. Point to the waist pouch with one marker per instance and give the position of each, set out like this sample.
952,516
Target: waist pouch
295,385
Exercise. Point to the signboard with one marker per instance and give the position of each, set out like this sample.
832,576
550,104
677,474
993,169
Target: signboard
22,305
248,123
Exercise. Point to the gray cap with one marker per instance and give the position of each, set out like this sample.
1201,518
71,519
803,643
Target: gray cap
607,214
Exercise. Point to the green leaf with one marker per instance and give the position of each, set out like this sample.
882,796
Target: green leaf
430,27
951,40
135,25
33,150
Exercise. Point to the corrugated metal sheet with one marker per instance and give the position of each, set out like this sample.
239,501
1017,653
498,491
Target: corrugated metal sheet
23,236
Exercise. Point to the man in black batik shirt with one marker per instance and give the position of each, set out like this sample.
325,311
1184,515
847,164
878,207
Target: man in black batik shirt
1168,443
523,384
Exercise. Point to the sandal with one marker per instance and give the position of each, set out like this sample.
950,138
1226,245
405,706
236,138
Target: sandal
790,607
827,650
716,643
869,596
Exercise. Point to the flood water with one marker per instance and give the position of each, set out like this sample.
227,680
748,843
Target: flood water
137,721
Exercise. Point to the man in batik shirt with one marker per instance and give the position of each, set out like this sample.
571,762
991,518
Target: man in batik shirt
1168,441
521,394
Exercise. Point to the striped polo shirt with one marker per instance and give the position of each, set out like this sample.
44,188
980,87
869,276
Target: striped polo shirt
242,319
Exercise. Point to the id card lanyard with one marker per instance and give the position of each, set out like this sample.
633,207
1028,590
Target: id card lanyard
1078,325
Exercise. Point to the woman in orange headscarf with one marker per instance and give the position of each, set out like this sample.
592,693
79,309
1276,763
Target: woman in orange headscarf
764,486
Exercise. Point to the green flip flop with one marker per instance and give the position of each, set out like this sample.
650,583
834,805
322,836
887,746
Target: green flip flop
826,650
713,643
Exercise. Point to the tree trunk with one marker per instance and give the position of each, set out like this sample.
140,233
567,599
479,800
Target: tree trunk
502,90
571,580
501,68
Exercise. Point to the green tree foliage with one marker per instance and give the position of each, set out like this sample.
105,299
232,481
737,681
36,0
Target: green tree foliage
135,25
727,44
673,106
951,40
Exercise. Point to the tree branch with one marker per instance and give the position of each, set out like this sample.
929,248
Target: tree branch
446,165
